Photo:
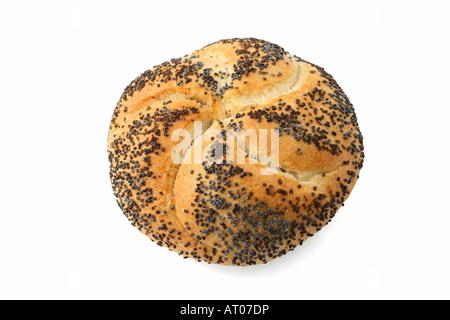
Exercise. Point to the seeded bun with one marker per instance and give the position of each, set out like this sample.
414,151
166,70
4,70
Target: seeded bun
228,212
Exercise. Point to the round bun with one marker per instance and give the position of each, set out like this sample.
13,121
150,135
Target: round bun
222,209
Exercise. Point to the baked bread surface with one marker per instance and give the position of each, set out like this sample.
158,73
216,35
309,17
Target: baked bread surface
229,212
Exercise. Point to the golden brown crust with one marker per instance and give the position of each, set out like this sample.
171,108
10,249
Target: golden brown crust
223,212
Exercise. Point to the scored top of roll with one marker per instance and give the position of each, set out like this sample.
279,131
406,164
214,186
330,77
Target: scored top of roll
234,154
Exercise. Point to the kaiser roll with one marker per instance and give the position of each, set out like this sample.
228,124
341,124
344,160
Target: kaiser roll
279,144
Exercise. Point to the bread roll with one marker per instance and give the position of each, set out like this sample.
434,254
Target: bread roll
225,210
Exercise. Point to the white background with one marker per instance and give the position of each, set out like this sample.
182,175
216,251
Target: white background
63,66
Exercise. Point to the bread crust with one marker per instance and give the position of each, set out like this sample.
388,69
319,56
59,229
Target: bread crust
227,212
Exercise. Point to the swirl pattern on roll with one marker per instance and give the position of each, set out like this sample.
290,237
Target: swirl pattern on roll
225,211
